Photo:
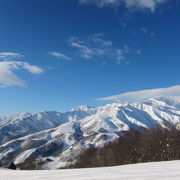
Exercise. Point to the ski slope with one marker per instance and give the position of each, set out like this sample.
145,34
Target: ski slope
169,170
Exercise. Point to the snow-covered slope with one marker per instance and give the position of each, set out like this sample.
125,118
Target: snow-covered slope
60,137
147,171
13,127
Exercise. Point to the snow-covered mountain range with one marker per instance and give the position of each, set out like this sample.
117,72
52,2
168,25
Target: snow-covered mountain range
60,137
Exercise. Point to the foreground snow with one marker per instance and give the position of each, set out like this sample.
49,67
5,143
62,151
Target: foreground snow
146,171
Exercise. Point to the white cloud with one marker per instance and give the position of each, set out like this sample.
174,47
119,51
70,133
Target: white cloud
97,46
9,78
9,55
144,4
31,68
130,4
59,55
136,96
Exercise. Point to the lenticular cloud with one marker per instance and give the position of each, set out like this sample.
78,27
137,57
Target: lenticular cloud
141,95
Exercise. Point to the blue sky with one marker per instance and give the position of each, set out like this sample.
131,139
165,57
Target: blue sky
58,54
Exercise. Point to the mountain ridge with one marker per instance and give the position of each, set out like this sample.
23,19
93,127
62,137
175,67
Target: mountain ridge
62,136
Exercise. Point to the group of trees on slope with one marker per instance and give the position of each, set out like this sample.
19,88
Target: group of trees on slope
155,144
152,145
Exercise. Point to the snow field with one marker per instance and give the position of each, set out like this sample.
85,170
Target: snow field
169,170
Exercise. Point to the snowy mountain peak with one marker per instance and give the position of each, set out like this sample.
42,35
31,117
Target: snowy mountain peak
82,108
164,102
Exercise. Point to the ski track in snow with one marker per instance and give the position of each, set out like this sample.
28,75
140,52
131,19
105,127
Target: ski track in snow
169,170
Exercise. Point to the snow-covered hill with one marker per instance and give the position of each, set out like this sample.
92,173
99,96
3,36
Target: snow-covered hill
147,171
60,137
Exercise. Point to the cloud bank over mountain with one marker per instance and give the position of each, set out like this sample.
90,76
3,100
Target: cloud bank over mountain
136,96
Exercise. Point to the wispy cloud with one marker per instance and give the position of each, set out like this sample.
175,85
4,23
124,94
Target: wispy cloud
59,55
97,45
130,4
136,96
9,55
93,45
85,51
99,38
120,54
147,32
138,51
101,3
122,23
144,30
8,76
